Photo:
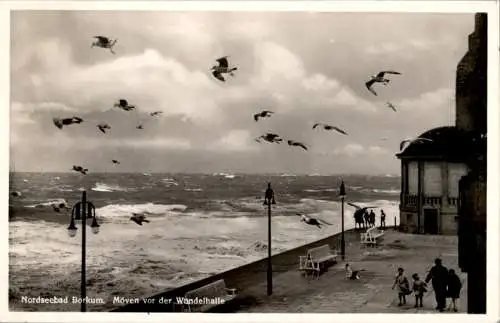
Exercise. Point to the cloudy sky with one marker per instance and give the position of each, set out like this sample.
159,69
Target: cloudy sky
306,67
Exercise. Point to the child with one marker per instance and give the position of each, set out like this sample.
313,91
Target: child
419,288
454,287
403,286
350,274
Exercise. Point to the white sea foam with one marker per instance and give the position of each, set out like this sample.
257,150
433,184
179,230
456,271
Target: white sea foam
103,187
170,182
49,203
395,192
125,210
196,189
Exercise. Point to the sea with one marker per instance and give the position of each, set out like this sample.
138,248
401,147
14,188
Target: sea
200,225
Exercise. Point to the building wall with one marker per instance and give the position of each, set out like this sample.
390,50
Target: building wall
440,180
471,81
413,178
433,179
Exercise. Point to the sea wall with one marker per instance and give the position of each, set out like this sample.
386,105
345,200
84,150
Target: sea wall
244,276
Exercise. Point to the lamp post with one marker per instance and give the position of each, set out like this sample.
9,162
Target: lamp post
342,239
268,200
83,210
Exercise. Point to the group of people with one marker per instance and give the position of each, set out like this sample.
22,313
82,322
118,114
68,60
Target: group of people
368,219
445,283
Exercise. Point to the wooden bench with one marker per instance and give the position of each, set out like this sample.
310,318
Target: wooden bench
372,237
209,296
316,259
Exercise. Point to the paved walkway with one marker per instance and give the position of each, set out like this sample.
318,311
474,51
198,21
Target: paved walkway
333,293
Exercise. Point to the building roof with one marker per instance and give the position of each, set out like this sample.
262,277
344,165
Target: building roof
448,144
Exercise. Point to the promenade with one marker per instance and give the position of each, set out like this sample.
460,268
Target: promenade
333,293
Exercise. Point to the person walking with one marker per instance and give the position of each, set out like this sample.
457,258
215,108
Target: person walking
382,219
372,218
419,288
454,287
439,276
403,285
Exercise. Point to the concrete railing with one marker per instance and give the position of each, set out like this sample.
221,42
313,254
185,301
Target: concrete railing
241,277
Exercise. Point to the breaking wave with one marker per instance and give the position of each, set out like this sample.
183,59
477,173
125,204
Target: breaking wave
103,187
121,210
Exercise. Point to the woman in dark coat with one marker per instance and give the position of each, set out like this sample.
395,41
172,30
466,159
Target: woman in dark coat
454,287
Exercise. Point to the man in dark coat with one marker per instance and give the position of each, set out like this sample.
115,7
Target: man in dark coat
382,219
372,218
439,276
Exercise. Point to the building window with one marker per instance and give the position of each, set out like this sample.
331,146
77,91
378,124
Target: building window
455,172
433,184
413,178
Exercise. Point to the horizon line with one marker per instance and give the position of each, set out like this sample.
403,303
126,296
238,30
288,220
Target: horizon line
213,173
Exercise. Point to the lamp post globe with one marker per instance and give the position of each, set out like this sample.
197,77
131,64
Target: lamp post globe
94,226
72,228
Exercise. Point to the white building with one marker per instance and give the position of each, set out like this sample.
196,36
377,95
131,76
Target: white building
430,172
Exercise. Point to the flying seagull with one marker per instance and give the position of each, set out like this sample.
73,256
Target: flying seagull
360,210
80,169
61,122
270,137
114,161
140,127
104,42
263,114
329,127
124,105
390,105
139,218
103,127
312,221
410,141
223,68
297,144
379,78
156,113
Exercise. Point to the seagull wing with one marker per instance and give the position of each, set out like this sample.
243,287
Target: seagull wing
390,105
290,142
256,116
369,86
402,144
58,123
301,145
389,72
218,76
323,221
340,130
102,39
423,139
223,61
101,128
354,205
316,125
